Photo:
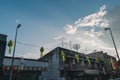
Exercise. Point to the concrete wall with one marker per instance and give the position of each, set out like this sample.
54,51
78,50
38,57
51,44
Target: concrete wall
53,66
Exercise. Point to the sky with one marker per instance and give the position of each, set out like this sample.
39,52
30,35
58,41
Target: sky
49,22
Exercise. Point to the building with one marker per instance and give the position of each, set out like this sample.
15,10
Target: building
110,72
2,47
70,69
2,51
58,64
101,55
23,69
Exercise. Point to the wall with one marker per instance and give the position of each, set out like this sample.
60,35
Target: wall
53,65
2,47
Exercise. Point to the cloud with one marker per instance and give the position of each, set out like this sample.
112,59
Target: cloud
70,29
92,33
93,20
89,31
31,56
58,38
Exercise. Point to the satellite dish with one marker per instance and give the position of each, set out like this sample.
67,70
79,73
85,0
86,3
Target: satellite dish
76,46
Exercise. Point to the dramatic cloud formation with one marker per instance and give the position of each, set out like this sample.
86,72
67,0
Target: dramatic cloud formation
93,20
89,31
91,28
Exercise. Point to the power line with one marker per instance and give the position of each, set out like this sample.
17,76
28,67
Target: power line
30,45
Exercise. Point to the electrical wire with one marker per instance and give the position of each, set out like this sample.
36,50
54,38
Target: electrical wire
30,45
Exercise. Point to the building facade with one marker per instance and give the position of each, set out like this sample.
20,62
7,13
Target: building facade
58,64
2,51
23,69
87,68
2,47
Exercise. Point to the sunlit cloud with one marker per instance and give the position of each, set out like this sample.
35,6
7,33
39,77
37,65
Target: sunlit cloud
70,29
93,20
57,38
92,33
89,29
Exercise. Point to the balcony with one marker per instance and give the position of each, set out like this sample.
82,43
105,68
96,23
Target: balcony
79,67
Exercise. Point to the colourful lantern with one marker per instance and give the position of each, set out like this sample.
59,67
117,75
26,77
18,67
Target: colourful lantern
63,56
77,57
41,50
10,45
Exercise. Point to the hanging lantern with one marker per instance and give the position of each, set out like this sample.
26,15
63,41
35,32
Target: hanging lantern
63,55
10,45
77,57
41,50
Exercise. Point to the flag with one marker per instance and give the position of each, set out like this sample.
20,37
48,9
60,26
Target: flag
77,57
41,51
10,45
87,58
96,59
63,55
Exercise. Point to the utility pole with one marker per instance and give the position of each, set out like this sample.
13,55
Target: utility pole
113,42
10,77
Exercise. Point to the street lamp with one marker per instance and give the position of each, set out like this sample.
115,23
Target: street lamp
113,42
18,26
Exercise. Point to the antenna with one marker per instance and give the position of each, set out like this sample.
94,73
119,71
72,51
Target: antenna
70,45
76,46
62,40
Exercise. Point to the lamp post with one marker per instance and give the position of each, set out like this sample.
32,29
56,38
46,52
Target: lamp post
113,42
20,68
18,26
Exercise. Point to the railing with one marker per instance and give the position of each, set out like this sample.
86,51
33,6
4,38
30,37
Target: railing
83,67
76,67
